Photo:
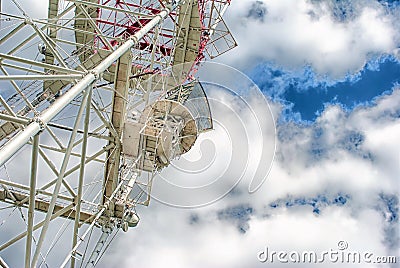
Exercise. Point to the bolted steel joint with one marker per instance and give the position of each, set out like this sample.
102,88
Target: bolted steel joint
134,39
96,75
38,120
28,21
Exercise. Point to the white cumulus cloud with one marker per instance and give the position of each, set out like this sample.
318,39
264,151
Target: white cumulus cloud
352,155
295,33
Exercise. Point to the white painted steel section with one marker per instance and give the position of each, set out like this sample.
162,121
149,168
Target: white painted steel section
11,147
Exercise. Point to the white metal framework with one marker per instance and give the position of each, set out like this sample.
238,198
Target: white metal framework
102,94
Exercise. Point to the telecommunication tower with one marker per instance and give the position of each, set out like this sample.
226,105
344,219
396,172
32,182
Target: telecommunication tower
96,99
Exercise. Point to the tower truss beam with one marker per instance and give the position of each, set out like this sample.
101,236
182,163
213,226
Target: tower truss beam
43,205
18,141
32,195
37,226
120,96
81,175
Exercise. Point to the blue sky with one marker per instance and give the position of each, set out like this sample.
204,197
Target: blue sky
305,95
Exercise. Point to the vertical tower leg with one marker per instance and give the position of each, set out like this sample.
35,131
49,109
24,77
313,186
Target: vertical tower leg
121,85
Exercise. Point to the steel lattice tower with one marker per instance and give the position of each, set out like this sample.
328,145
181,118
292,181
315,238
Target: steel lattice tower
94,102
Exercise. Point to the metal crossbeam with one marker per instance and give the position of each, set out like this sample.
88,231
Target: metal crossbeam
32,195
43,205
32,129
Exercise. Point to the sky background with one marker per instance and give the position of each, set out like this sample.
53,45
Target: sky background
330,71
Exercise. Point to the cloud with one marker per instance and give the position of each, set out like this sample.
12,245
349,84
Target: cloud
333,180
33,8
334,38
